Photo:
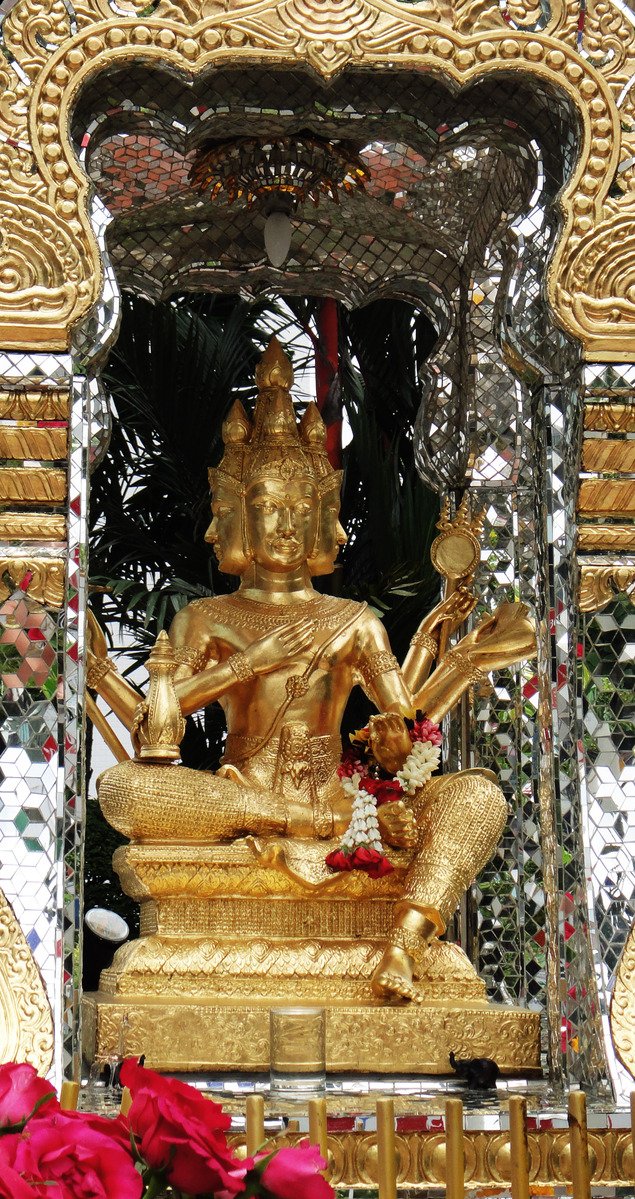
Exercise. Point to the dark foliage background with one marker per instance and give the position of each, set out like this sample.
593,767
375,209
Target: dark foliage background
175,370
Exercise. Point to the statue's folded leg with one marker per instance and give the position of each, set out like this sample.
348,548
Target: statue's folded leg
461,818
176,804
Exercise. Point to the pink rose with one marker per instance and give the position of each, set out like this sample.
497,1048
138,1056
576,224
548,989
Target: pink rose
73,1158
21,1090
118,1130
294,1172
12,1186
181,1132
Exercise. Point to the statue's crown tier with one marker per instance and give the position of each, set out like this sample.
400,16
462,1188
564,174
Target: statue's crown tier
273,445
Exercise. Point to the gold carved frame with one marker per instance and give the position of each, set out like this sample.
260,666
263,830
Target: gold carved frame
50,271
50,265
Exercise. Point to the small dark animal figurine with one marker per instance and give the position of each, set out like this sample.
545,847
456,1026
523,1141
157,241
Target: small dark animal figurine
480,1073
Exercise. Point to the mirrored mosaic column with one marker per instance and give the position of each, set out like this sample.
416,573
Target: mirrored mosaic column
43,472
607,675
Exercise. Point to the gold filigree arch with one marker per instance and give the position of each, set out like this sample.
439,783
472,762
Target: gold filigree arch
43,296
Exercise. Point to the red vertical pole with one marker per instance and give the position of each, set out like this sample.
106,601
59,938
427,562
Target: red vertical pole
327,378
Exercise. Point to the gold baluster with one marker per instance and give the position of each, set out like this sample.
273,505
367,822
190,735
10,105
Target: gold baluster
69,1096
126,1102
454,1150
386,1149
519,1149
580,1173
254,1123
633,1128
317,1126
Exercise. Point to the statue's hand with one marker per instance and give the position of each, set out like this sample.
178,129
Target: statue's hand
397,824
452,611
389,740
501,639
274,649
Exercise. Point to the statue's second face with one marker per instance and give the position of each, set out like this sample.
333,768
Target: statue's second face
225,532
282,521
331,535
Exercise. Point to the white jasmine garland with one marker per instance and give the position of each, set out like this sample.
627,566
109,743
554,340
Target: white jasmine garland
419,766
363,829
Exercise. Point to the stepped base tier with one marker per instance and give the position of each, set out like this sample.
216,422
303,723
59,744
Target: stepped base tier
228,931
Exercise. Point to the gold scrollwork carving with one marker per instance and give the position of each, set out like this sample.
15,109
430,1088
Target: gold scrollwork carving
609,418
53,275
607,498
616,538
392,1038
42,271
34,405
47,581
31,31
26,1021
421,1160
32,526
33,443
32,485
600,584
623,1006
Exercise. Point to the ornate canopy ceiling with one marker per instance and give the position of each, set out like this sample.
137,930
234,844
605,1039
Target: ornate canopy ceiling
445,173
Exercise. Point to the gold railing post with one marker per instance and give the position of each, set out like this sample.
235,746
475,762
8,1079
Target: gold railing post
69,1096
317,1126
386,1149
518,1146
126,1102
254,1123
454,1150
633,1128
580,1173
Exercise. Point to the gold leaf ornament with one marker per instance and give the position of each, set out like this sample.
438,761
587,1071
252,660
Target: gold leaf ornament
26,1021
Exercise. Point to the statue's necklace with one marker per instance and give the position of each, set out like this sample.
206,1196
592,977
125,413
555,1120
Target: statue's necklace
324,611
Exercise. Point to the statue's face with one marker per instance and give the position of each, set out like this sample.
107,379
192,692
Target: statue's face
225,533
282,521
330,537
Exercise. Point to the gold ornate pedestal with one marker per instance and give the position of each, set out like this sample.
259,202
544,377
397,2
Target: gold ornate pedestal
377,1040
224,937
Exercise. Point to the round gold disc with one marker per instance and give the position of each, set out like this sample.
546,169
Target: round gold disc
455,554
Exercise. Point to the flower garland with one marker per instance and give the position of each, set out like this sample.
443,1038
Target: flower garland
370,786
172,1144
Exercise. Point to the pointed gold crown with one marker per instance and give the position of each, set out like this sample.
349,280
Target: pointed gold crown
273,445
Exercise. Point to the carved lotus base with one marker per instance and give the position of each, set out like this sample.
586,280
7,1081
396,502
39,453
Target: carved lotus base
234,1035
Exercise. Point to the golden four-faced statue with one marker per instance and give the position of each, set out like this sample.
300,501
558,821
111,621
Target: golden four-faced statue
239,908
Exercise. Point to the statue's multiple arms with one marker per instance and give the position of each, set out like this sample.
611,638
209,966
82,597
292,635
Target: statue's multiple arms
103,677
449,614
380,671
500,640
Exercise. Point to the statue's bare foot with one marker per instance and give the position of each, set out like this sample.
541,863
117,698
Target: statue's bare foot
393,977
397,825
